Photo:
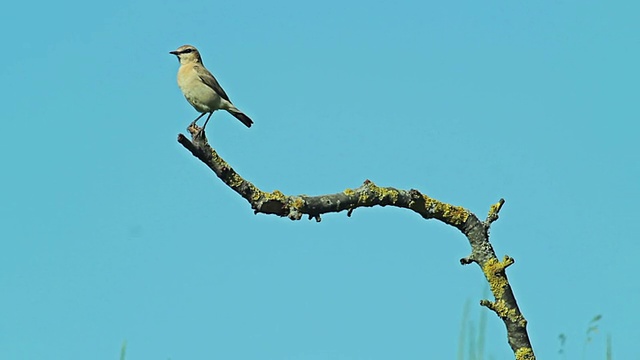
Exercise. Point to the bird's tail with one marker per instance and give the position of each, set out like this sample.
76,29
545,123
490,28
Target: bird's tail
241,116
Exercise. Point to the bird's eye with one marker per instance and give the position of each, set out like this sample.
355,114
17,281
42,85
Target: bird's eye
186,51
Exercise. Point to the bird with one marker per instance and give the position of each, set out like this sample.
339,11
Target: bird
200,87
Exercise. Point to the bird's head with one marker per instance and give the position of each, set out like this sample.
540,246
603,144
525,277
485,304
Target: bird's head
187,54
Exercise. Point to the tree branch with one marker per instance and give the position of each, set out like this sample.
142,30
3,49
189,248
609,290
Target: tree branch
369,195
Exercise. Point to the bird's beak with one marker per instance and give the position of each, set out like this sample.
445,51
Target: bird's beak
174,52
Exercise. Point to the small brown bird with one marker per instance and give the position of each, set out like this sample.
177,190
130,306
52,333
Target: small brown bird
201,89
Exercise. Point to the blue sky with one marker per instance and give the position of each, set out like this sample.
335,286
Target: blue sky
112,231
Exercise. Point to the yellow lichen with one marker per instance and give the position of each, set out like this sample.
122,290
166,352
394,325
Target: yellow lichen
525,353
235,181
392,194
297,203
505,312
349,192
380,193
275,195
362,198
454,215
493,271
495,208
257,194
500,307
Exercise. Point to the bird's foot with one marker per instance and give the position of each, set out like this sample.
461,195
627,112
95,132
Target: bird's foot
198,133
194,129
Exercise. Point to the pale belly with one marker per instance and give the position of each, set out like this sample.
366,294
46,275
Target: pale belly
202,98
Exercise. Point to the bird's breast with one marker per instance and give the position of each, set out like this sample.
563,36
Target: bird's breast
197,93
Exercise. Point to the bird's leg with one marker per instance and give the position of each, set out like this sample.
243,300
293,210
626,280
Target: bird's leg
198,118
206,121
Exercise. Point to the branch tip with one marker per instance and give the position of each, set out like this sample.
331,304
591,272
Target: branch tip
467,260
493,212
488,304
508,261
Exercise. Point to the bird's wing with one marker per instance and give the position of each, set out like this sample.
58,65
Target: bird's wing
211,81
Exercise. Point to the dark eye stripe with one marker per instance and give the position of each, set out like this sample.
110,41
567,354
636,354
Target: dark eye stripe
186,51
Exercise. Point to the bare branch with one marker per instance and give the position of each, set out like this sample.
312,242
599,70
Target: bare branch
369,195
